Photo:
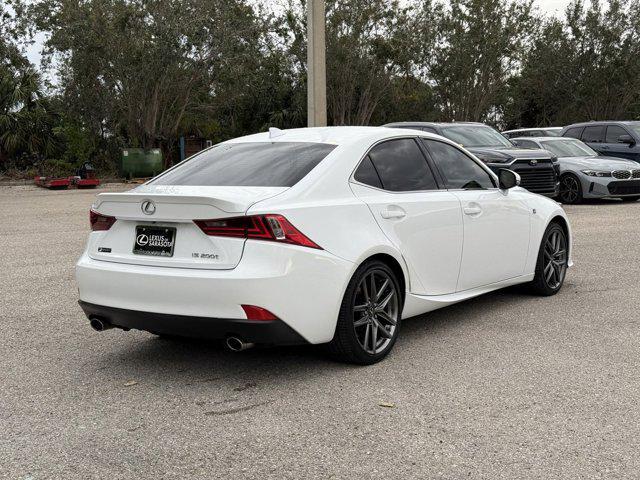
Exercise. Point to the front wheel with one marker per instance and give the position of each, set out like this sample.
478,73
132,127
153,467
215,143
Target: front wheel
370,315
570,189
553,258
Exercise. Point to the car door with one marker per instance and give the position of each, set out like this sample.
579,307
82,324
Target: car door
496,223
612,147
593,135
421,220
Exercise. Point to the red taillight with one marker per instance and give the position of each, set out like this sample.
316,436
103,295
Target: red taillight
271,227
100,222
258,313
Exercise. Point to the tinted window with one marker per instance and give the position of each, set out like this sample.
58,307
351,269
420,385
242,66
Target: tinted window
526,144
428,130
575,132
569,147
366,173
263,164
613,132
458,170
475,136
550,132
593,134
402,166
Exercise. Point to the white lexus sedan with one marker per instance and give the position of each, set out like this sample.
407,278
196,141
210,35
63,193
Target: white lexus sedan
319,235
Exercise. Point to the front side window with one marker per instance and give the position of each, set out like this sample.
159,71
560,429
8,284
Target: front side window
475,136
525,143
593,134
551,132
255,164
401,166
459,171
614,132
575,132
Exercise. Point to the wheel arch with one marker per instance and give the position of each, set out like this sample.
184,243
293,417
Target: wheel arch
564,224
395,267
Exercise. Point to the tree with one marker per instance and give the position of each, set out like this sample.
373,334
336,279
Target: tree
479,47
26,119
137,69
584,67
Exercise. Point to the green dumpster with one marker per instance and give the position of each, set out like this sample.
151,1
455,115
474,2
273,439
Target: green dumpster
140,163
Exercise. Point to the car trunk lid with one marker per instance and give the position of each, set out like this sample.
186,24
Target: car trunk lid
154,225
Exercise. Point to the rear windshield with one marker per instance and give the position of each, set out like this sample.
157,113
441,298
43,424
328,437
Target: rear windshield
264,164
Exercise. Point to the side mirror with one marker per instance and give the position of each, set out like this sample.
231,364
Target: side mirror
508,179
628,139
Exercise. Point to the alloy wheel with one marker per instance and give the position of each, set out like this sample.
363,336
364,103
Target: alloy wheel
375,311
555,259
569,189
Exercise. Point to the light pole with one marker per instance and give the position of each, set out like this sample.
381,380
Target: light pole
316,65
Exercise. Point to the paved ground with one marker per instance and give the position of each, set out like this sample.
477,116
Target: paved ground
505,386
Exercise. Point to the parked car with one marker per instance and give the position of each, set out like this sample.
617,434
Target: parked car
585,174
536,168
320,235
533,132
615,139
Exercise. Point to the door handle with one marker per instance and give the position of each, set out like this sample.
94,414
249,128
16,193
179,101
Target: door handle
472,210
393,212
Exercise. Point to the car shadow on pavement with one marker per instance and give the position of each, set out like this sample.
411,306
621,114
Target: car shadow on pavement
198,361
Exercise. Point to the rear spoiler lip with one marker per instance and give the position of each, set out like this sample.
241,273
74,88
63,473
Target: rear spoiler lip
229,205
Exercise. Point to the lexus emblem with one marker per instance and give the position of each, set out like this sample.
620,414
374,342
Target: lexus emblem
148,207
533,162
142,240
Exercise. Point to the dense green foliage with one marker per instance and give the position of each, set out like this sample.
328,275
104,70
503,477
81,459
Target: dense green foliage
143,73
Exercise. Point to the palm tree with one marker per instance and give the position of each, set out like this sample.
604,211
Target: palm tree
26,120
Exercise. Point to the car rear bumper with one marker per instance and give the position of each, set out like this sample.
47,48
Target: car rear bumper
273,332
303,287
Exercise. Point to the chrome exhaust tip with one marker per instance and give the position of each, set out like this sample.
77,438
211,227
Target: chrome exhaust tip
99,324
236,345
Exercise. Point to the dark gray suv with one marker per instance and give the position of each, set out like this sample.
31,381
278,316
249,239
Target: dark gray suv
611,138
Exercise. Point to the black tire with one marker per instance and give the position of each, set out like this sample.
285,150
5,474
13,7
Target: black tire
570,189
347,343
551,267
629,199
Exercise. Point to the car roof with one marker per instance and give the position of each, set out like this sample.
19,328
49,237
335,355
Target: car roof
330,135
546,139
431,124
603,122
529,129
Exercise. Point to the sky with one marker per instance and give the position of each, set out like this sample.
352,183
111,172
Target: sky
550,7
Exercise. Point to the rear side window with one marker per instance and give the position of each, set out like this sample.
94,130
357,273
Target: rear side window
458,170
613,132
260,164
575,132
366,173
401,166
593,134
526,144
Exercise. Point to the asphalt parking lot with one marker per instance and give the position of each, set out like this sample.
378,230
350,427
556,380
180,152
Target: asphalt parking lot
504,386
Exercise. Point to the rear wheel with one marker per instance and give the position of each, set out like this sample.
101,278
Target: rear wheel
369,319
630,199
553,257
570,189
